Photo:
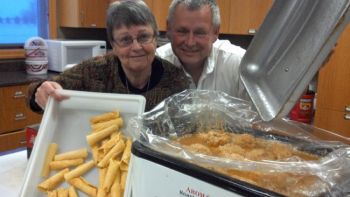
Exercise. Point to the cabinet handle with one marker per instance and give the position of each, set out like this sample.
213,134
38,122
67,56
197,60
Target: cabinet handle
347,116
252,31
18,94
93,25
23,142
347,108
20,116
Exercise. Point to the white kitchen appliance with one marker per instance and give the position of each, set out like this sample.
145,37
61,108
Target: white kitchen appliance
63,54
162,165
155,174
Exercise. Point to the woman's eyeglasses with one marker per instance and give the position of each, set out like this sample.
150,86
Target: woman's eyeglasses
127,41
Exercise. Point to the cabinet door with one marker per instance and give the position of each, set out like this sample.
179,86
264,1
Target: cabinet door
160,10
333,90
225,12
149,3
14,114
13,97
247,15
15,119
71,13
83,13
95,12
12,140
333,121
2,97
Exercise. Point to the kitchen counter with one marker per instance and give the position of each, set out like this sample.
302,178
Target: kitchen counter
13,166
10,78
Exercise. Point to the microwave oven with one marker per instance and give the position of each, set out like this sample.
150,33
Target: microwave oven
63,54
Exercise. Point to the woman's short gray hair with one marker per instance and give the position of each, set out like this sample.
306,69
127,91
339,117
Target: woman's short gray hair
195,5
128,13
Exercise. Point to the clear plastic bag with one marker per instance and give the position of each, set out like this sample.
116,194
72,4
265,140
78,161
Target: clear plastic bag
192,111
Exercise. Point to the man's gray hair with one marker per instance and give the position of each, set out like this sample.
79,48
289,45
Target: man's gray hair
195,5
128,13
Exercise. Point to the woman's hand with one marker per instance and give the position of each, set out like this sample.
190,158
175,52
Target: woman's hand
45,90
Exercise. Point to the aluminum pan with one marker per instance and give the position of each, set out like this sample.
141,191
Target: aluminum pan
291,45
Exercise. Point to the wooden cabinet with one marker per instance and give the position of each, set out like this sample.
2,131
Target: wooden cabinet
160,10
14,116
246,16
12,140
225,12
149,3
237,16
83,13
333,90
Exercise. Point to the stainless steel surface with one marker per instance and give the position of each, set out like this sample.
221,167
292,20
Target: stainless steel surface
291,45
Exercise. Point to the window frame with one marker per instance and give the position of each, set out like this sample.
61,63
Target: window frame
19,53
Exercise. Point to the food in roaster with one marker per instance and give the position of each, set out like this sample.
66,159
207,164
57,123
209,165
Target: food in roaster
246,147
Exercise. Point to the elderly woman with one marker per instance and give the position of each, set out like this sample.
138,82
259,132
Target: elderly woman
131,68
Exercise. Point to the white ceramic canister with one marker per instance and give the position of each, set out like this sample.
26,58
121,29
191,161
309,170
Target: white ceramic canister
36,49
36,67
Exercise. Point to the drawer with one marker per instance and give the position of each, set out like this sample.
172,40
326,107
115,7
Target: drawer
13,140
13,97
334,121
15,119
33,118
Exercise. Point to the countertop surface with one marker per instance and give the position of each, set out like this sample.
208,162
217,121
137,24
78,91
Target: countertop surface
13,166
11,78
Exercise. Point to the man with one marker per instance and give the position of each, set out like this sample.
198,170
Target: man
193,29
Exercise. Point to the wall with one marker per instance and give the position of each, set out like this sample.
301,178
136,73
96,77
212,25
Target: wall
83,34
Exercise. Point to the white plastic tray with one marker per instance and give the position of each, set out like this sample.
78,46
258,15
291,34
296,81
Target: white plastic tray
67,124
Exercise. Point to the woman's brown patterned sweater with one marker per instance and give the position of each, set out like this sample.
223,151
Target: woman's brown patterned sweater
104,74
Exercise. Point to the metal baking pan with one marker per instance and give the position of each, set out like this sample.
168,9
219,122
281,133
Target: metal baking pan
291,45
